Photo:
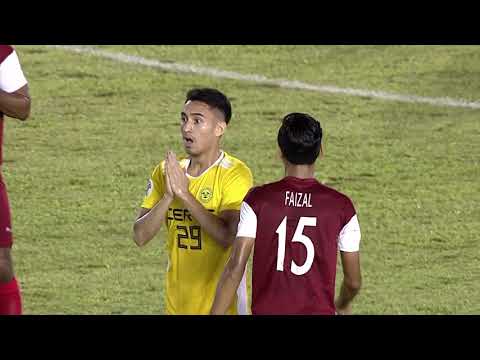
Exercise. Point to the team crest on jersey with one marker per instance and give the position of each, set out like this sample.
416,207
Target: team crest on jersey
149,188
206,195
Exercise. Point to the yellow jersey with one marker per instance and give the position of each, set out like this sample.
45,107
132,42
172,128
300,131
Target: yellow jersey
195,260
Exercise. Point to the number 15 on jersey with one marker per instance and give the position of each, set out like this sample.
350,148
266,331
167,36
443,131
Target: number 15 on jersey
297,237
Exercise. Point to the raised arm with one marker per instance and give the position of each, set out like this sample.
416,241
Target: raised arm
221,228
152,214
149,221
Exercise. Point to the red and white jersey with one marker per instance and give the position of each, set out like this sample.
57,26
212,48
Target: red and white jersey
11,78
298,225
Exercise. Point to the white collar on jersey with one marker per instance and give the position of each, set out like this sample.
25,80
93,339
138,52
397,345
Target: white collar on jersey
220,158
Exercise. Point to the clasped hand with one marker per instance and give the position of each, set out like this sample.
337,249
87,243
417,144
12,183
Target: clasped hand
176,179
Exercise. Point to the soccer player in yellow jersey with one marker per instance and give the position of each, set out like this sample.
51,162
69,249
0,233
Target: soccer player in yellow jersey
198,199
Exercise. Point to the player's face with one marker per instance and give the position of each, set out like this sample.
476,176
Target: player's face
201,127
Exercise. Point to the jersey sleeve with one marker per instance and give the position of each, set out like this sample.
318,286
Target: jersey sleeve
155,187
349,236
247,226
236,187
11,74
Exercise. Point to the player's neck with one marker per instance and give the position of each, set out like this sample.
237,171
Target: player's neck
200,163
300,171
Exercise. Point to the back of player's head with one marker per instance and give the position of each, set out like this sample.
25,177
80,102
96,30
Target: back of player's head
213,98
299,138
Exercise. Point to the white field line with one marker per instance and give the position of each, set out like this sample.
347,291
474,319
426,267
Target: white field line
260,79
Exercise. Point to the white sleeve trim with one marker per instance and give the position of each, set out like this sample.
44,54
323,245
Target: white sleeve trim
11,74
349,237
247,226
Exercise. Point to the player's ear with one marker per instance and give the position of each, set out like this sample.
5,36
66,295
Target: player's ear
220,128
321,152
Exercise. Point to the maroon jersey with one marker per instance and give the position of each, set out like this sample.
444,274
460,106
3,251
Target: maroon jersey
300,224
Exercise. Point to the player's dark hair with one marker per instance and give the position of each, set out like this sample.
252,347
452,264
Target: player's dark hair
299,138
213,98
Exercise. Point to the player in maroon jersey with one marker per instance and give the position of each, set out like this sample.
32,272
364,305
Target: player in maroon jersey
296,226
15,103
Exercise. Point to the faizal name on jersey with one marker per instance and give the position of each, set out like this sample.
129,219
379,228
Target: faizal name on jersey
196,261
298,199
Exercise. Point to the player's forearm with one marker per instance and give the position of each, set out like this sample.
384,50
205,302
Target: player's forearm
211,224
14,105
226,289
147,226
348,291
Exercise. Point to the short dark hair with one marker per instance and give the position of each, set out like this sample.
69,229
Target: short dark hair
299,138
213,98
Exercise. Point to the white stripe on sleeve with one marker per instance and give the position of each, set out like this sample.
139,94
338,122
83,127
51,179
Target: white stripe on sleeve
11,74
349,237
247,227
